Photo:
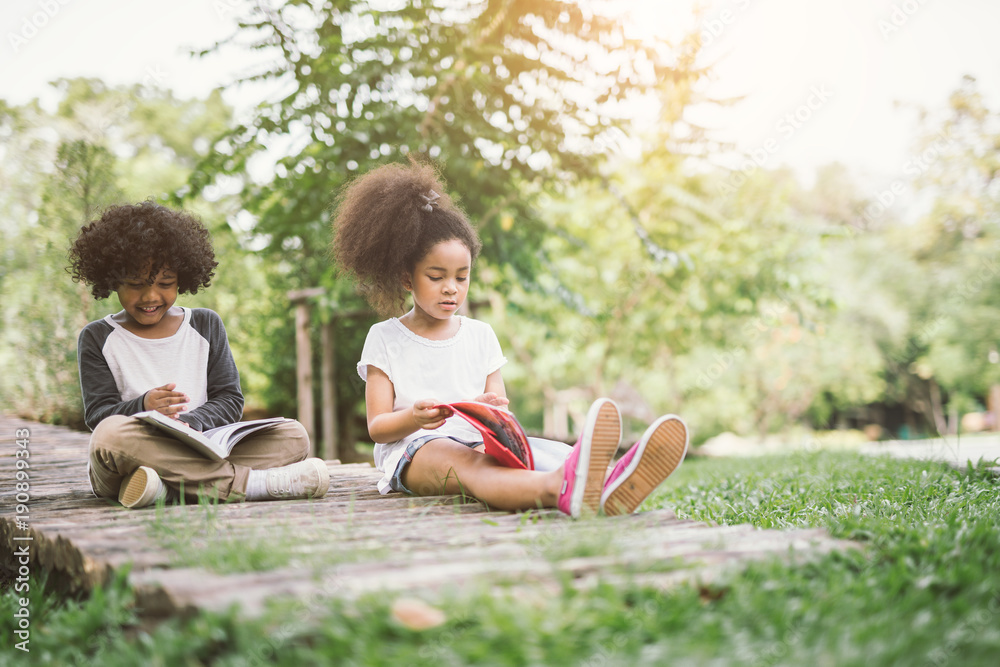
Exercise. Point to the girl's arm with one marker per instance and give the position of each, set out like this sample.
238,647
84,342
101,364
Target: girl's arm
387,425
495,393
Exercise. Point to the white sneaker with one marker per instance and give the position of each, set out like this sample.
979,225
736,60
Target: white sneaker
305,479
143,487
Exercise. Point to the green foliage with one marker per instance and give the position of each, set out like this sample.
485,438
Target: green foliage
501,93
743,302
957,243
199,536
70,632
922,588
199,541
509,98
941,274
101,146
42,316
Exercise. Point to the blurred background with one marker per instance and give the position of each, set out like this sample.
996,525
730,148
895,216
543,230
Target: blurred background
774,218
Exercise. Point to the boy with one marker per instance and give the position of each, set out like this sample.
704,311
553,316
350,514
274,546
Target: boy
153,355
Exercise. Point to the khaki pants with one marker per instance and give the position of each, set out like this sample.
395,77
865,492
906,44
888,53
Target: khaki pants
121,444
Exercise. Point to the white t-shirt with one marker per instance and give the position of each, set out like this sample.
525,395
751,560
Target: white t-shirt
446,370
139,364
117,368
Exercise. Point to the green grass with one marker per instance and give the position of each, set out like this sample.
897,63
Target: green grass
923,590
197,539
202,538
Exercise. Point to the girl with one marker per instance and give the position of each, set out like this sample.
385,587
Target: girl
398,232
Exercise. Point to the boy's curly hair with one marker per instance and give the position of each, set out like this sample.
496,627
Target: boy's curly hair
119,246
386,221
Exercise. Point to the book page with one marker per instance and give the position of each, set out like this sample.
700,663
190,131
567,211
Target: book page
198,441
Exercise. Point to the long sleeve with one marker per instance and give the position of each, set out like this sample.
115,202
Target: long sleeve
225,398
101,398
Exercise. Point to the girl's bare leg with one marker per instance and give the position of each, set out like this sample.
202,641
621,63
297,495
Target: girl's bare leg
447,467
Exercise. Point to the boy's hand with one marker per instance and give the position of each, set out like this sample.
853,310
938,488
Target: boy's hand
492,398
166,401
427,416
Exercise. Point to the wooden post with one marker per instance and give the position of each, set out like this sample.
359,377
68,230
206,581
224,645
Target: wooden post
303,371
329,394
993,406
303,362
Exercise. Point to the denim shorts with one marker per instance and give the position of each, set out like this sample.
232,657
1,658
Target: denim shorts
396,480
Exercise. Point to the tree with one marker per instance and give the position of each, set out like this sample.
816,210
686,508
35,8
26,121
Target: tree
510,98
952,347
100,145
506,94
41,330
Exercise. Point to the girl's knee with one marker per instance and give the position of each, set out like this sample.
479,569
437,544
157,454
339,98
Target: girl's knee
440,466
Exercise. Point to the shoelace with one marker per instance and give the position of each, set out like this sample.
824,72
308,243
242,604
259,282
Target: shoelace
279,483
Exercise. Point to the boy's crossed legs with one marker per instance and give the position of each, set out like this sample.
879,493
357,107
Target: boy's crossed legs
264,464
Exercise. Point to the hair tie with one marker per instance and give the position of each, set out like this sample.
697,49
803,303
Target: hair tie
429,200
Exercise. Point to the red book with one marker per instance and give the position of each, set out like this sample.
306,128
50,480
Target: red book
503,436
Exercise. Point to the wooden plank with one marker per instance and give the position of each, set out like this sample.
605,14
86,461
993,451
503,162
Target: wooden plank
351,542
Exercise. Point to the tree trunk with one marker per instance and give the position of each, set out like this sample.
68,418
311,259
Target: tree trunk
937,410
993,405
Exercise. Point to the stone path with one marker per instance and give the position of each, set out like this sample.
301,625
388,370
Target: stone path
957,452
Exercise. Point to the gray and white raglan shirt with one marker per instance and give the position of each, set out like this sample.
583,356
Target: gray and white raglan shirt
117,368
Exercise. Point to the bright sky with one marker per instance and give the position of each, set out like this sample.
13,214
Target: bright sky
839,67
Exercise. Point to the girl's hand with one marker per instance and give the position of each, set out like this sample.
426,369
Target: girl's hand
492,398
166,401
427,416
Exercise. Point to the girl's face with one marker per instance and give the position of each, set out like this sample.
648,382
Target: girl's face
146,305
440,280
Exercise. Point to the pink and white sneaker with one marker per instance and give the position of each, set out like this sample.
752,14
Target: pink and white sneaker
644,467
587,463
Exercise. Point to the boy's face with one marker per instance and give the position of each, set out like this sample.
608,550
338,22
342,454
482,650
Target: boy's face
146,305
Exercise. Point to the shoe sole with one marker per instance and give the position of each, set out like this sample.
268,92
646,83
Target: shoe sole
324,478
604,424
661,452
140,488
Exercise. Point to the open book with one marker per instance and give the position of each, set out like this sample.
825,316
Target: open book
215,443
503,436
